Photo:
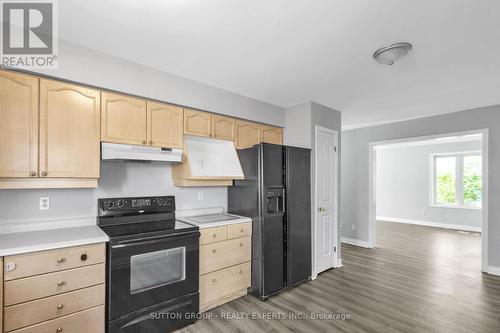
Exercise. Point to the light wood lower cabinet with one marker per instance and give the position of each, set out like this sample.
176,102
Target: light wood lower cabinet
225,269
45,297
34,312
91,320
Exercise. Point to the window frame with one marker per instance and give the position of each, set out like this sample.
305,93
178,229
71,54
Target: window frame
459,179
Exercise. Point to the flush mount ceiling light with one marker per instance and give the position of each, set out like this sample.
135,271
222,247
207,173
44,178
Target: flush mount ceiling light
388,55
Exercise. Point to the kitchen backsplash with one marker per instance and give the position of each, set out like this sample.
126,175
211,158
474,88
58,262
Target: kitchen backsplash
117,179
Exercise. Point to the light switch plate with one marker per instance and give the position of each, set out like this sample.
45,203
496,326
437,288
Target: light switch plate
201,196
44,203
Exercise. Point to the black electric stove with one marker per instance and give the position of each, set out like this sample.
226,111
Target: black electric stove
152,266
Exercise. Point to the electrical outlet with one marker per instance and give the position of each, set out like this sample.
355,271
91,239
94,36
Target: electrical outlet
44,203
353,227
201,196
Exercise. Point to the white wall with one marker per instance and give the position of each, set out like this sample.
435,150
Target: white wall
90,67
117,179
403,185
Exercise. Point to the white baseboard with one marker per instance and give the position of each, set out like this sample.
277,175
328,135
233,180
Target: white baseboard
429,224
339,264
356,242
493,270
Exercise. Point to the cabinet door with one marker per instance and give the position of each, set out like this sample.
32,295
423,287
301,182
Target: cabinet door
223,128
271,134
165,125
123,119
247,134
197,123
69,130
18,125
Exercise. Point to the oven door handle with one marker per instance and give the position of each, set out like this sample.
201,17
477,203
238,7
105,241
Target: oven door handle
154,239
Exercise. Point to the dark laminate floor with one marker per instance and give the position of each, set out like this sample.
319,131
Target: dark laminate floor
418,279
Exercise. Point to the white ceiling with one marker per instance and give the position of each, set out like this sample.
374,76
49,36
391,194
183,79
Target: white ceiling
290,51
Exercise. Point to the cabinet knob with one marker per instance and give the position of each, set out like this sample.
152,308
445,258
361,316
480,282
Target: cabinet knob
213,251
32,173
241,244
44,173
61,283
214,235
150,142
241,272
60,306
143,142
61,260
59,330
83,257
241,230
214,280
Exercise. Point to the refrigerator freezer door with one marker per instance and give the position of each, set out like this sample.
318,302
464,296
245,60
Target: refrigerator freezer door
298,196
273,260
272,165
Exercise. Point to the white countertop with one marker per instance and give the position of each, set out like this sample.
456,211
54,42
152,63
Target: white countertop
41,240
235,220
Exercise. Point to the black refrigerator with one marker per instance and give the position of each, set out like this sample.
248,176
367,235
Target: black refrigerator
276,194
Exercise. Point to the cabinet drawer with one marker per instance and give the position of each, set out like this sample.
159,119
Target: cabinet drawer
239,230
224,282
55,260
91,320
29,313
220,255
212,235
35,287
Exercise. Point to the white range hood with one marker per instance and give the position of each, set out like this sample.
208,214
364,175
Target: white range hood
207,162
212,158
116,151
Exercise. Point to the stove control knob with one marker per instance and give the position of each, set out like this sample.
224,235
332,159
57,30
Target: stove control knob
109,204
120,203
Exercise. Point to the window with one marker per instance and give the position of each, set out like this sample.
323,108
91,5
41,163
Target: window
457,180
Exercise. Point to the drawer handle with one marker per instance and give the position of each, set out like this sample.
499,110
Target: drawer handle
214,235
61,283
61,260
59,330
214,280
241,244
83,257
60,306
213,251
44,173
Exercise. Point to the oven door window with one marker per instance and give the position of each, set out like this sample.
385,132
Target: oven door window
157,269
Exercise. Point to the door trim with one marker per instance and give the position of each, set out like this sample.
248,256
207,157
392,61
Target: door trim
336,232
372,187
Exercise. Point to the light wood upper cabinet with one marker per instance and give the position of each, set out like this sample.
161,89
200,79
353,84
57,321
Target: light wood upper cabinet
223,128
197,123
165,125
123,119
18,125
271,134
247,134
69,130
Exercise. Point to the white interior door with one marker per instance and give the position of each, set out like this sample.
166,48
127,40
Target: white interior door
325,203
